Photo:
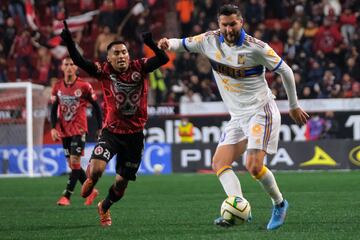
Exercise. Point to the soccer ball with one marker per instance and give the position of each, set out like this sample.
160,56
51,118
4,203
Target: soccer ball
158,168
235,209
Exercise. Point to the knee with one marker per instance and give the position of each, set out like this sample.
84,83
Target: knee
74,162
121,184
94,171
254,170
216,165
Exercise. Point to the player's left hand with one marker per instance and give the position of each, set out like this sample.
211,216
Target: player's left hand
147,38
65,33
299,116
55,135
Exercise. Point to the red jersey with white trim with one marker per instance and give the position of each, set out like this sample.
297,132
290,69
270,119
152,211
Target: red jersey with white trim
125,96
73,100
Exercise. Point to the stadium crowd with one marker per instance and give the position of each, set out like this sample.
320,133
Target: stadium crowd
319,39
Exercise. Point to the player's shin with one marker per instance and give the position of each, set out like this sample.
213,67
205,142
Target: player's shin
82,176
229,181
73,177
267,180
114,195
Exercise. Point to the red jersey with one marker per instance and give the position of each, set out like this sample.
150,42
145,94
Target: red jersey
125,96
73,100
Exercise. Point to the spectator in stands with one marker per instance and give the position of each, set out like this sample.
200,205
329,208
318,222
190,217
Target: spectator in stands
58,9
277,45
185,9
101,43
190,97
207,91
315,73
327,37
108,16
157,86
203,67
205,11
300,15
348,24
315,127
17,9
353,67
356,90
279,31
22,50
308,93
275,9
309,33
254,13
347,85
3,65
9,35
329,88
332,7
3,16
43,65
296,33
277,88
186,131
87,5
331,126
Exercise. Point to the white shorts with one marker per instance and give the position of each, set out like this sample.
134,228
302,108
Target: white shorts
260,129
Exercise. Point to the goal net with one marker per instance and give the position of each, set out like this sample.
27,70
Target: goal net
23,108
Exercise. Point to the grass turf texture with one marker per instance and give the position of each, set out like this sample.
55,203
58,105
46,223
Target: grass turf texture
323,205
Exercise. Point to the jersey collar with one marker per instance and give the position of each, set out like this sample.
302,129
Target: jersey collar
240,40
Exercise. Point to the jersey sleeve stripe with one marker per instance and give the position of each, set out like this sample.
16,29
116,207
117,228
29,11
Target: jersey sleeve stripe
184,44
277,66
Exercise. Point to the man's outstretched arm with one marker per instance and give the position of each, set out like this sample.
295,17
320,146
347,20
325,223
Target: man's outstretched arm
160,57
287,76
79,60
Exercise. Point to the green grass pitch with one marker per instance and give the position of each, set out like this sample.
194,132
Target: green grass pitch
323,205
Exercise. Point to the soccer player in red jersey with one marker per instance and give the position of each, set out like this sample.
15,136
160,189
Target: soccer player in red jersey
125,90
69,124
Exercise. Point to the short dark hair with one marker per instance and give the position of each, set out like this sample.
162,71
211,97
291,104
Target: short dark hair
115,43
228,10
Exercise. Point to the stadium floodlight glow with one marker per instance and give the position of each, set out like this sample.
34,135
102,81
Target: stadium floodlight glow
22,112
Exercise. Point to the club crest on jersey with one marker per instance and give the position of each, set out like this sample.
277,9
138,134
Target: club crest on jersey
241,59
136,76
98,150
77,92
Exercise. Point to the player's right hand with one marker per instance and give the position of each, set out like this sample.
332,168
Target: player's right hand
65,33
164,44
299,116
55,135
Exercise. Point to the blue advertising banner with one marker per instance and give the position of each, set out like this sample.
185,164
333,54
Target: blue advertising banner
50,160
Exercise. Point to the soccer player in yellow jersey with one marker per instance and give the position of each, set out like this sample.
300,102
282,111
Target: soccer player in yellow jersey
238,63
